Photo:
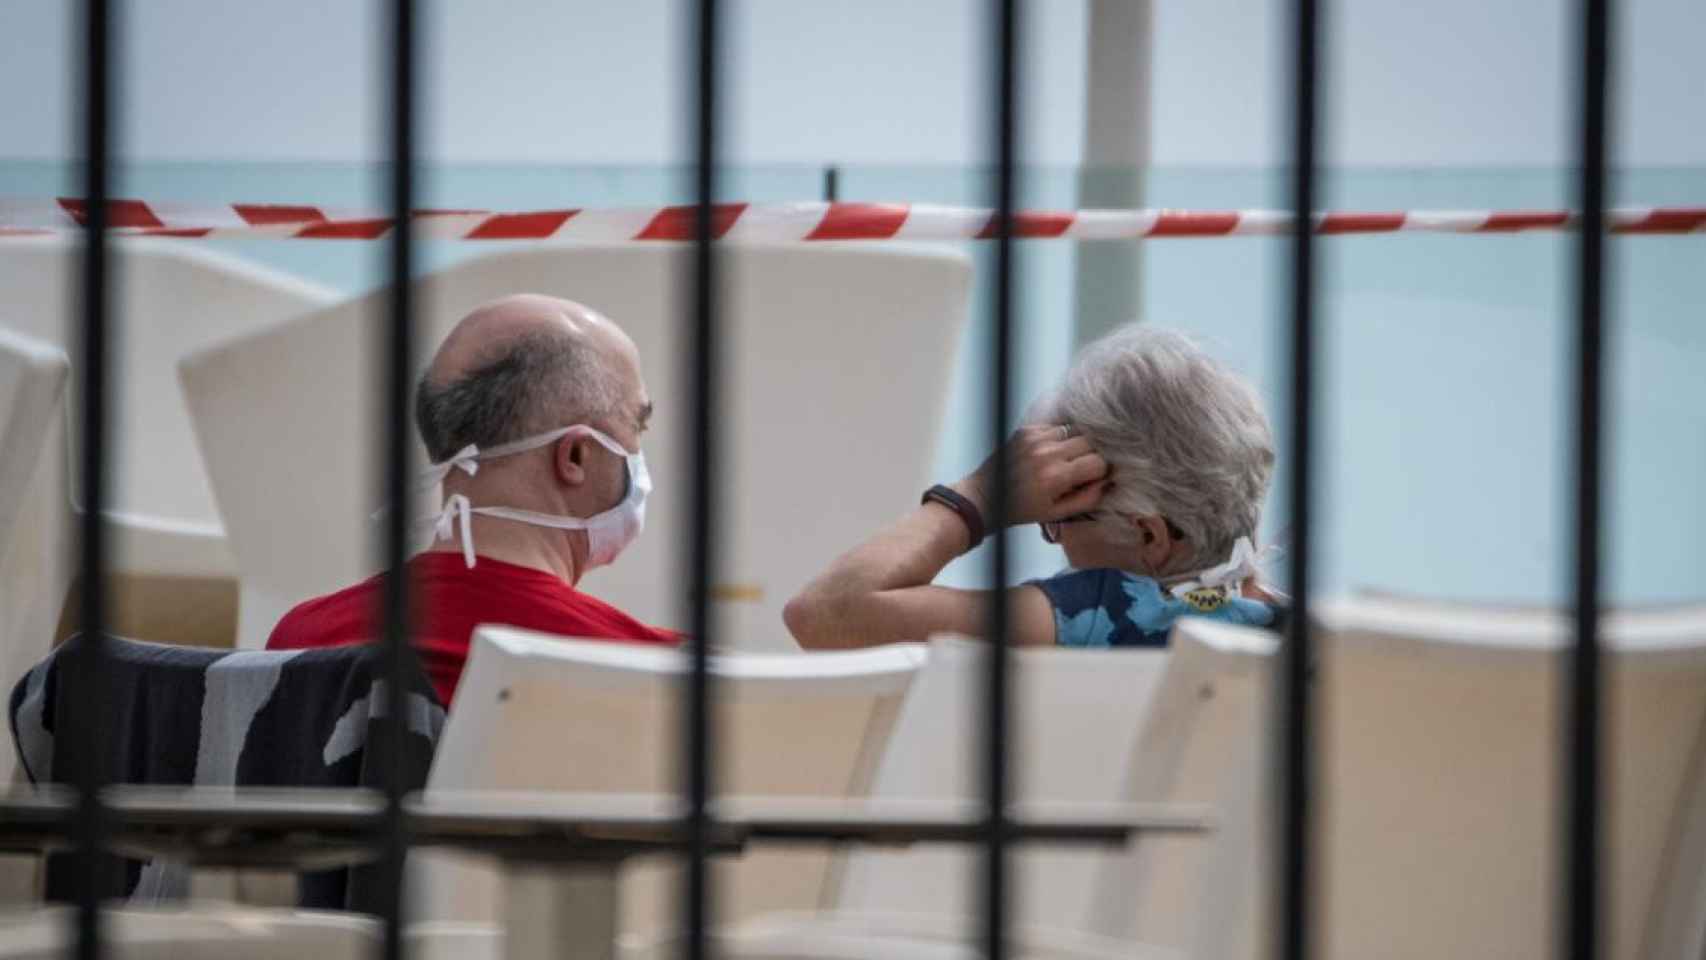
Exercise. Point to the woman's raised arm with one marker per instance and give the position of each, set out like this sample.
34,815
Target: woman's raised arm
881,591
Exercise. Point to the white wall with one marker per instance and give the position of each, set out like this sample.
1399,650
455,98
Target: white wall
1452,82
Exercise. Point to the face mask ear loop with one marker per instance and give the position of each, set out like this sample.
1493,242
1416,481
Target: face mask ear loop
468,458
1245,562
456,515
458,511
1241,564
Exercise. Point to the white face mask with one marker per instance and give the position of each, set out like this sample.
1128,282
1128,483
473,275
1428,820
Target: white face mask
608,532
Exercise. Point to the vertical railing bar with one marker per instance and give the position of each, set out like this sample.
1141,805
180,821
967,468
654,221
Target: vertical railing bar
397,366
91,819
702,369
1295,729
996,761
1579,900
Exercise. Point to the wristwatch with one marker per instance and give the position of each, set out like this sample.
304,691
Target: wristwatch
955,501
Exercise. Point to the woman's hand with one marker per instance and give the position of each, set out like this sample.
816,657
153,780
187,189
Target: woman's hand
1055,475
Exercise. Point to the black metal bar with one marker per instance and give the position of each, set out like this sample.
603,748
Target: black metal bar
1579,902
398,365
1295,729
701,371
996,890
831,184
91,821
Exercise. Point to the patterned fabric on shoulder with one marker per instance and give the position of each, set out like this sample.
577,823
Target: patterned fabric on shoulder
1113,608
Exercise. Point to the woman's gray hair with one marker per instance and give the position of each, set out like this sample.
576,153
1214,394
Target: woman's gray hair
1185,437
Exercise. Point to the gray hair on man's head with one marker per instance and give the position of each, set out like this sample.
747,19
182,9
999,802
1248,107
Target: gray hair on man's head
1185,437
537,382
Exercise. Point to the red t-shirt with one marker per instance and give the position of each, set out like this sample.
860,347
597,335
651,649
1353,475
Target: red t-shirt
450,601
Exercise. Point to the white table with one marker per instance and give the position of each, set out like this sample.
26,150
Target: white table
562,853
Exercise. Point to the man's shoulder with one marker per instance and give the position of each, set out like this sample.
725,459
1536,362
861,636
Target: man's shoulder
312,622
602,619
502,582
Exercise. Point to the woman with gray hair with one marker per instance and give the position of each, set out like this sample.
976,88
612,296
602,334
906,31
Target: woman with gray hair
1148,465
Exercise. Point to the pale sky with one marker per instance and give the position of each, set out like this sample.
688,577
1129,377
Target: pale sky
1447,82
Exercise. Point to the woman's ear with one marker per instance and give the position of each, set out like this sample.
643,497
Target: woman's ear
1155,543
569,457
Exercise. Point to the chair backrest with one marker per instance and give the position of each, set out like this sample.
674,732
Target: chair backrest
1203,740
1439,753
541,713
32,384
821,345
32,389
171,299
1077,718
205,933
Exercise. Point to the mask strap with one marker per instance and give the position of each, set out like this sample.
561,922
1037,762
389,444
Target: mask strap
456,509
528,443
1246,561
456,521
468,458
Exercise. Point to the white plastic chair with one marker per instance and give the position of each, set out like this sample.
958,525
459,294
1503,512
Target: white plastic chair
824,348
1078,716
205,931
1439,811
200,933
1092,726
540,713
170,298
32,389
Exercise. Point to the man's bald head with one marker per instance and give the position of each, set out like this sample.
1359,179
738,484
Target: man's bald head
522,365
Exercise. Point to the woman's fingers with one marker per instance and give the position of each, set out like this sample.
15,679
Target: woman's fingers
1068,449
1083,470
1038,434
1082,500
1050,462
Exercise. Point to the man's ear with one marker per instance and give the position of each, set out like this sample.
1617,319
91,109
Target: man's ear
569,459
1155,543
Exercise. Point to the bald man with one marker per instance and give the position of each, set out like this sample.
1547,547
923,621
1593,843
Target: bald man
532,412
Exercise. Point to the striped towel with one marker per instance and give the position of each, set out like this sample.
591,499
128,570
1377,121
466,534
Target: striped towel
192,716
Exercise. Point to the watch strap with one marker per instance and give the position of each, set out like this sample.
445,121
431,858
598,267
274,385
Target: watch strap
963,507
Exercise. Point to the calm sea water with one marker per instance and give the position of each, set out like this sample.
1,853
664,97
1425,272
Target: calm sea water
1445,408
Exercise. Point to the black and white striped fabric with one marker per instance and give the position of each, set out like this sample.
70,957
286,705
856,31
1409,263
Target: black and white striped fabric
193,716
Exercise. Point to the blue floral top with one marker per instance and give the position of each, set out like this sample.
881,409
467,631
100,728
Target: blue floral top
1112,608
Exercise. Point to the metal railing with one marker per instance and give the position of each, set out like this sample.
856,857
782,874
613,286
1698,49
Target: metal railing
91,826
1292,877
1580,899
93,822
702,370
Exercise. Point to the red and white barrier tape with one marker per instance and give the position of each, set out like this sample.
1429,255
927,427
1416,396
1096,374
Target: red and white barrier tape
790,222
